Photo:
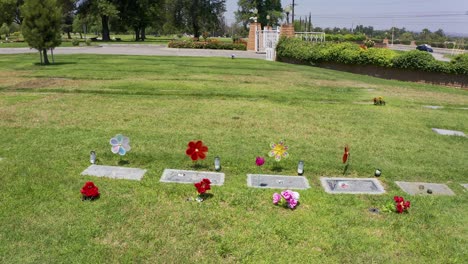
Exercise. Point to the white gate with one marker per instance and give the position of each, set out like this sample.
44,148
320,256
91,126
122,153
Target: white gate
265,42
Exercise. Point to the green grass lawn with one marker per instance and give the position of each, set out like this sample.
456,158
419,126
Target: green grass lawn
51,117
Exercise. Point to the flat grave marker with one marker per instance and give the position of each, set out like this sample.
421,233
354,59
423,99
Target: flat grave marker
114,172
352,185
447,132
465,185
277,181
186,176
433,106
425,188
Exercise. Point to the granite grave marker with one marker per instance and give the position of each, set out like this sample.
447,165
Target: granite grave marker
352,185
186,176
114,172
277,181
426,188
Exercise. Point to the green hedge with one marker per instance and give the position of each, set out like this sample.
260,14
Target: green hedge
189,44
349,53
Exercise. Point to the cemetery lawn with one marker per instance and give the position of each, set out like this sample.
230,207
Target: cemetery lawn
51,117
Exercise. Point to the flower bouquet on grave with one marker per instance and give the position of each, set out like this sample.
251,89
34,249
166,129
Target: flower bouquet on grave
287,199
278,151
89,191
202,186
196,151
120,145
400,206
379,101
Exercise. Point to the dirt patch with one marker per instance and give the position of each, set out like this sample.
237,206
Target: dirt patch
44,82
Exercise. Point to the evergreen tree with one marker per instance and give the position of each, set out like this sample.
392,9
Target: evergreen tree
271,8
42,25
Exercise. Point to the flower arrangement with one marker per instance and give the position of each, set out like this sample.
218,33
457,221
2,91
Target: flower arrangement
196,150
89,191
287,198
120,144
379,101
278,151
400,206
202,186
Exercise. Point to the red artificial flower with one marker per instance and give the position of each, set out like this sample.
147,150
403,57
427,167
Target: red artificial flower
203,186
346,154
196,150
90,190
401,205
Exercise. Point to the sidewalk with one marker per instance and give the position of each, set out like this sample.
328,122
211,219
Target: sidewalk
141,49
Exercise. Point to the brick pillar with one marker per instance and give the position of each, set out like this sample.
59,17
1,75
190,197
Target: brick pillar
385,41
254,26
288,30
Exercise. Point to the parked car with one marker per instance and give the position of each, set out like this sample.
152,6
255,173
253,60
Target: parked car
425,47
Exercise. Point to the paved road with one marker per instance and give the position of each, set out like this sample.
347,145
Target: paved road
141,49
438,53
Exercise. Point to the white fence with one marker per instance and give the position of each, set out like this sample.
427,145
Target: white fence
311,36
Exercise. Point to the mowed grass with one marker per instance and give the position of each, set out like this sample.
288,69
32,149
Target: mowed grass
51,117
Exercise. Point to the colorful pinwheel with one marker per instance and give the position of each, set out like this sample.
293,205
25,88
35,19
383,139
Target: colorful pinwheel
278,150
120,144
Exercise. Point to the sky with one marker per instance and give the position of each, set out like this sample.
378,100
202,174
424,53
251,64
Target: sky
415,15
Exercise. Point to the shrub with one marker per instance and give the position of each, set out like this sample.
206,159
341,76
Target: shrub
376,56
459,64
88,42
75,42
190,44
205,35
369,43
415,59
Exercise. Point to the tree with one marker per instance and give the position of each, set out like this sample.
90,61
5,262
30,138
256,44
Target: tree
195,16
42,25
105,9
10,11
68,10
139,14
271,8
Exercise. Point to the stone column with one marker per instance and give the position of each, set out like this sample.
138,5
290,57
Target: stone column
254,26
288,30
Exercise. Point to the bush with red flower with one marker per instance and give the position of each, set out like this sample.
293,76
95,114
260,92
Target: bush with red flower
196,150
90,191
202,186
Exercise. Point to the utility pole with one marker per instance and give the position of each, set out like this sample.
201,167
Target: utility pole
293,12
393,31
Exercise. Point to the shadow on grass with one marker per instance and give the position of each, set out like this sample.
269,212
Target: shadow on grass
123,162
345,171
55,64
198,166
277,168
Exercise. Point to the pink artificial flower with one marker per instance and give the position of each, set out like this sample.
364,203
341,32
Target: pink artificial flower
276,198
292,203
295,195
287,195
259,161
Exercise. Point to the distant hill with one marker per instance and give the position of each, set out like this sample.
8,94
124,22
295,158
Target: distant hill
454,34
